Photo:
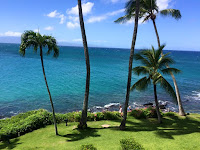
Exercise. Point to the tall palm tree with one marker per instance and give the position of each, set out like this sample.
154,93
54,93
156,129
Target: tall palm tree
149,11
123,123
153,66
83,121
36,40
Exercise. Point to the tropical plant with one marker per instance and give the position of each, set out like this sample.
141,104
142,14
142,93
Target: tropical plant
153,66
36,40
123,123
83,121
149,11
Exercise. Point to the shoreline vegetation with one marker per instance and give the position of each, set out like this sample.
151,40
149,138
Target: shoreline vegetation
16,129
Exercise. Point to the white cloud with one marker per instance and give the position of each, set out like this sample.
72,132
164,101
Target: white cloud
10,33
55,14
163,4
86,8
115,12
49,28
62,18
103,17
72,25
96,19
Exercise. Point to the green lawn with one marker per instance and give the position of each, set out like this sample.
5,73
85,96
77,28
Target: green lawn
176,133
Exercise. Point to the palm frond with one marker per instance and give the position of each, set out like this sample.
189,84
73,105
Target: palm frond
144,61
124,19
167,87
51,43
141,84
146,18
170,70
175,13
163,61
158,52
141,70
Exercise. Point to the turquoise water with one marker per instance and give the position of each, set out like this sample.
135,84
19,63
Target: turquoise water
22,85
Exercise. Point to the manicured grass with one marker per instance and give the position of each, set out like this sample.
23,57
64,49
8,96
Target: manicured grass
176,133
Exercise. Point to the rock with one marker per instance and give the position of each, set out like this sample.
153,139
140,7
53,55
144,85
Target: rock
148,104
162,107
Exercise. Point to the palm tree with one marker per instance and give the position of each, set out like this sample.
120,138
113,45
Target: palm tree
153,66
83,121
30,38
123,123
149,11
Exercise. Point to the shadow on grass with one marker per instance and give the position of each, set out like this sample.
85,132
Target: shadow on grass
171,126
9,145
82,134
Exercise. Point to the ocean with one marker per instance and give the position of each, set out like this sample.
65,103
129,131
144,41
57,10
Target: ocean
22,86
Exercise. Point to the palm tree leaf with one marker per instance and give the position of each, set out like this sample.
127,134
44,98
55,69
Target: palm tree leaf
163,61
170,70
51,43
144,61
141,84
123,19
158,52
146,18
171,12
167,87
141,70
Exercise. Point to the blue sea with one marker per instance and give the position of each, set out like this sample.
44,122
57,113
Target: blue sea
22,86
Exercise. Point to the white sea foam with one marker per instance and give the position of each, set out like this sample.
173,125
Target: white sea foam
194,96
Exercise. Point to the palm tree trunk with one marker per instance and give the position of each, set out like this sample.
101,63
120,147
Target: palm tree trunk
157,106
54,118
181,110
83,121
123,123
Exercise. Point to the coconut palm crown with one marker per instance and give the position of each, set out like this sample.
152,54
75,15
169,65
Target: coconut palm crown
148,10
36,40
154,67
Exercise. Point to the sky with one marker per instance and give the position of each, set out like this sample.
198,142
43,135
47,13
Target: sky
60,19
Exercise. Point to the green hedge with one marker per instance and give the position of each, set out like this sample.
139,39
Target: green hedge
130,144
29,121
148,112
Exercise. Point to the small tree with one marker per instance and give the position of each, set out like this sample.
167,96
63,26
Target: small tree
36,40
153,66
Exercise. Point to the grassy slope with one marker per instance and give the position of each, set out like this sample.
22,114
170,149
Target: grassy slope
176,133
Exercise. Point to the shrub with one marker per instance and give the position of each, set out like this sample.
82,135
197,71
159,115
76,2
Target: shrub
130,144
111,115
170,114
88,147
138,113
32,120
150,112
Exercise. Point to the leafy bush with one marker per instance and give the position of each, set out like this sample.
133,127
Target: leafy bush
88,147
138,113
150,112
170,114
111,115
31,120
130,144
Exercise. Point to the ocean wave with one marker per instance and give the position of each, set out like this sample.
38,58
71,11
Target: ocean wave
194,96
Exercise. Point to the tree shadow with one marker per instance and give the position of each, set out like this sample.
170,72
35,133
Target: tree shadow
170,127
10,145
82,134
